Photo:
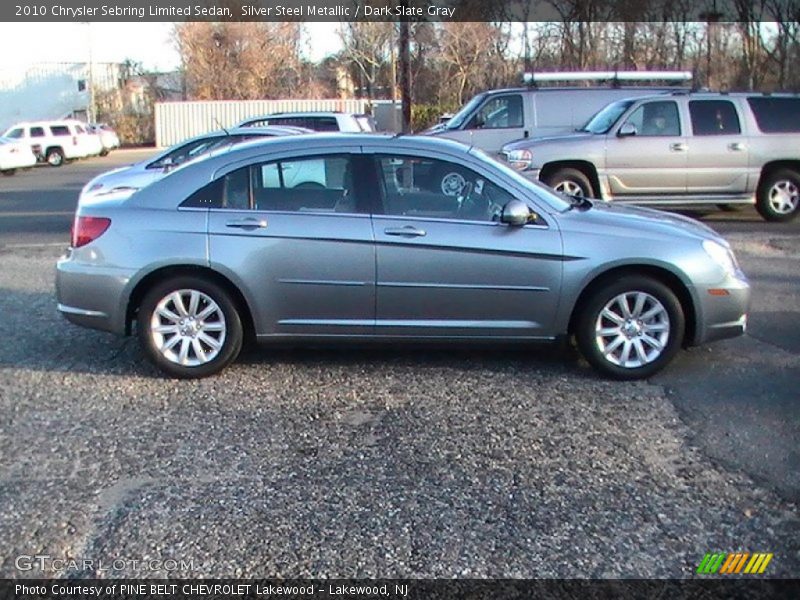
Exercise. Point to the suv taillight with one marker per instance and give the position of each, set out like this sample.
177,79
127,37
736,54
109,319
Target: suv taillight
88,229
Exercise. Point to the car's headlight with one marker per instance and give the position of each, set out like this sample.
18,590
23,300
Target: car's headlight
722,255
520,159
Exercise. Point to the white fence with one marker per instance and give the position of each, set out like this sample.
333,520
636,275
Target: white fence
177,121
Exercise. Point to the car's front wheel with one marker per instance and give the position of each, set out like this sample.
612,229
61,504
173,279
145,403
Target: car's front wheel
778,196
189,327
571,182
630,328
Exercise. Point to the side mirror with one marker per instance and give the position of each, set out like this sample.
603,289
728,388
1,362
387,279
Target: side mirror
517,214
627,130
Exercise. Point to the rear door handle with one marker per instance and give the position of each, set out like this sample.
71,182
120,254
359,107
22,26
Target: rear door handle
736,147
248,223
407,231
678,147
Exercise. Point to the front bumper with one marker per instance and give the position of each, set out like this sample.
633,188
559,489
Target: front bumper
722,310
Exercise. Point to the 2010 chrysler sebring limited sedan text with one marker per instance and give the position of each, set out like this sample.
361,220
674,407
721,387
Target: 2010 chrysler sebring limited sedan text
347,237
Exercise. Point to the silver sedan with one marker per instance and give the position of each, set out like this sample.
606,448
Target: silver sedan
342,238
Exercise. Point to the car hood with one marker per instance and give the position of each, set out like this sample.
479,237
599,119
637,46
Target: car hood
574,137
642,221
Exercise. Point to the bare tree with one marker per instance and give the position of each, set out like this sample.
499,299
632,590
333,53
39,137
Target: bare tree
368,46
240,61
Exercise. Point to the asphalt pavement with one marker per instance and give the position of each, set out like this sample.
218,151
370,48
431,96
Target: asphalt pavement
389,462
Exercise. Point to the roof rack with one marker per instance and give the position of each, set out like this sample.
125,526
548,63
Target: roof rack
615,77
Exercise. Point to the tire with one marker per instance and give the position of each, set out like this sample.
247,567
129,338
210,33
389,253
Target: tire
8,172
104,152
55,157
778,196
607,353
181,358
571,182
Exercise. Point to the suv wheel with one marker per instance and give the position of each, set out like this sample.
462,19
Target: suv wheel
55,157
778,195
631,328
189,327
571,182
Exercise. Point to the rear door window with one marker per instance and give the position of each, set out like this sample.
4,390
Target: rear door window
776,115
714,117
37,132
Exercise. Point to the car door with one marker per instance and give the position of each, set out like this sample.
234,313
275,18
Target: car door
303,250
651,157
447,268
717,149
499,120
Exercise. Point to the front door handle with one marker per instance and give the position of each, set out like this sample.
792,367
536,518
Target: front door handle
407,231
248,223
736,147
678,147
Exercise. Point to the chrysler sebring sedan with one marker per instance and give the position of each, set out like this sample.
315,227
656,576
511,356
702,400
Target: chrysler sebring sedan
348,238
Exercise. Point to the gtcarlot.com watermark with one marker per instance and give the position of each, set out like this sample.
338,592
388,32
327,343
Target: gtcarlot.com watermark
54,564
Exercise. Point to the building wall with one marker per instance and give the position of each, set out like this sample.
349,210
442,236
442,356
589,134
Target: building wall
177,121
50,90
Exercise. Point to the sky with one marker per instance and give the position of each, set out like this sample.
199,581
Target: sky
147,43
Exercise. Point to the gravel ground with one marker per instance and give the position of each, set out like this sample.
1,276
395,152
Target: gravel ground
358,463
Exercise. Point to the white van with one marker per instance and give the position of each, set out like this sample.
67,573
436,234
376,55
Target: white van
496,117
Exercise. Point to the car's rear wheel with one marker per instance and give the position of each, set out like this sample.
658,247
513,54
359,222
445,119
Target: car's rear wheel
571,182
189,327
630,328
778,196
55,157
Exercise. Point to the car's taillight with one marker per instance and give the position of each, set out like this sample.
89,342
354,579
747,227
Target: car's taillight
88,229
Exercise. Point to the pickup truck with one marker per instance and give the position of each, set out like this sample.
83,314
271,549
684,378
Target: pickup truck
682,149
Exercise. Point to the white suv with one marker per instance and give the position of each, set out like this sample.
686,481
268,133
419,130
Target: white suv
56,141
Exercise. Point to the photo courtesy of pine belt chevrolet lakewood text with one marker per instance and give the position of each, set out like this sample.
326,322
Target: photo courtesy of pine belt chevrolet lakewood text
350,238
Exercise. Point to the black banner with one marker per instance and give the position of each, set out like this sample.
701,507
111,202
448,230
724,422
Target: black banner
394,589
385,10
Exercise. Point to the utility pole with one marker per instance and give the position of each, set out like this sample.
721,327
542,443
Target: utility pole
405,75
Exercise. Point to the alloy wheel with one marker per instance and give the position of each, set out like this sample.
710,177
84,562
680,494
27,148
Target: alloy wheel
188,328
632,329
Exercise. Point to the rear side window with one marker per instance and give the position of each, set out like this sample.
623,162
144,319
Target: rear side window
37,131
714,117
776,115
317,184
59,130
79,129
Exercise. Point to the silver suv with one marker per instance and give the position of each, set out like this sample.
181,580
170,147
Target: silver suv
687,148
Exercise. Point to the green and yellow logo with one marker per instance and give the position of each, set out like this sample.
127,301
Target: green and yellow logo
722,563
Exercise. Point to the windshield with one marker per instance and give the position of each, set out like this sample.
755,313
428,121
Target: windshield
604,120
554,199
465,112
